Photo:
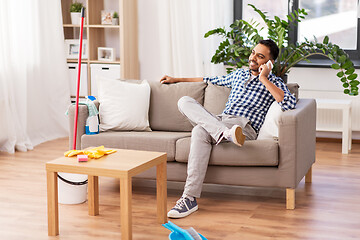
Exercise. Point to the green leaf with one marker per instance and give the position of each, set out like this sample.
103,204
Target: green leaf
340,74
326,40
342,58
345,85
335,66
344,79
352,76
346,91
207,34
347,64
293,16
354,83
350,71
214,31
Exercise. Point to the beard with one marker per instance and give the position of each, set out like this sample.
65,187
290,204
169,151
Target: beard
253,68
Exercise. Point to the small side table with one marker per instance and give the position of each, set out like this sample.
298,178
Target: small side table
345,106
123,165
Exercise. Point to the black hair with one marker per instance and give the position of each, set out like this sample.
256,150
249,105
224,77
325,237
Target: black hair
274,50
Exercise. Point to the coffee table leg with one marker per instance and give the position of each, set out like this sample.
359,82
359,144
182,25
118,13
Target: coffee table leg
125,208
52,204
93,195
161,192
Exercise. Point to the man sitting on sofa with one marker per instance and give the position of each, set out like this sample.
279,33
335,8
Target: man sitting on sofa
252,92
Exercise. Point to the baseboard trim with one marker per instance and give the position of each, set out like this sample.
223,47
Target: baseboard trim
334,140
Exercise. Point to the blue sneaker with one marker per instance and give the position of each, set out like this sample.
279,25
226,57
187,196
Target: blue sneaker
183,207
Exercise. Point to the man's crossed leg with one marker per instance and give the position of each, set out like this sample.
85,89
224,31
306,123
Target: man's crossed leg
208,130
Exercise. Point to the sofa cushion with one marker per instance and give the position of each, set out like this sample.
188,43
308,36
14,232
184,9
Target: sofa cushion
156,141
216,96
163,113
228,154
124,105
270,127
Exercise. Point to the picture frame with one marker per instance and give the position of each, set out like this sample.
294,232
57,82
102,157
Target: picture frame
72,49
106,17
106,54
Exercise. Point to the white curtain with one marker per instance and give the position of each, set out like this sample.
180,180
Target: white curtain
184,51
34,87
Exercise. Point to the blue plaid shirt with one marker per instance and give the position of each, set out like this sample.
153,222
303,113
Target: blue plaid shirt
251,100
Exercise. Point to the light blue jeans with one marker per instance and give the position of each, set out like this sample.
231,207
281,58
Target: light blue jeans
207,131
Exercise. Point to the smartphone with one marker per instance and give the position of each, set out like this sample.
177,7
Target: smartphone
269,64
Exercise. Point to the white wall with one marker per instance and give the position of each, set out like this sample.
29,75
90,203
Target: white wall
323,83
319,79
149,43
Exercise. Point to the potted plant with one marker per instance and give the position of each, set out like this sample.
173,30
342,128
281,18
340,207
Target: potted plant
243,36
115,18
75,11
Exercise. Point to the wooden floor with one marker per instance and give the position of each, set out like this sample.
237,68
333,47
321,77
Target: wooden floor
329,208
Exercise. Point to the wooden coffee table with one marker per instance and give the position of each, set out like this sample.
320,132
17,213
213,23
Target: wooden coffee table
124,164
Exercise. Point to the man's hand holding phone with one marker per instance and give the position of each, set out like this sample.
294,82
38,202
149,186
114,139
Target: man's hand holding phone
265,69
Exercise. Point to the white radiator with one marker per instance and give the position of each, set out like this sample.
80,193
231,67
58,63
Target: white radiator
333,118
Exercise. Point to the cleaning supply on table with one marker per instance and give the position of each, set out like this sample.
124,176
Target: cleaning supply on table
82,158
96,152
92,122
178,233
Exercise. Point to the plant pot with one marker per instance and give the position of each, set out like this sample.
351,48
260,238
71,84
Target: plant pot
285,78
75,18
115,21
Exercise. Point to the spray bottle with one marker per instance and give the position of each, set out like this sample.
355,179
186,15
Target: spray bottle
92,122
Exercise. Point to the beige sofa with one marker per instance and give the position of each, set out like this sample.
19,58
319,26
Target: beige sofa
280,163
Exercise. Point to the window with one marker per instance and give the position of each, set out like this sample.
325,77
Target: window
274,8
338,19
334,18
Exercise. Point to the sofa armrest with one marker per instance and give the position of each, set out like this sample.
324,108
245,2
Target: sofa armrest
82,116
297,141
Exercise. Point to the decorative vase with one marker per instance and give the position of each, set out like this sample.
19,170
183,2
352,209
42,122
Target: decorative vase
75,18
115,21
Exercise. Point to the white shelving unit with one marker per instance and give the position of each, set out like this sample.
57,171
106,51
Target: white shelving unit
123,38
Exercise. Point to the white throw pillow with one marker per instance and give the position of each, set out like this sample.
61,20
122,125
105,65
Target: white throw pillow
270,127
123,105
